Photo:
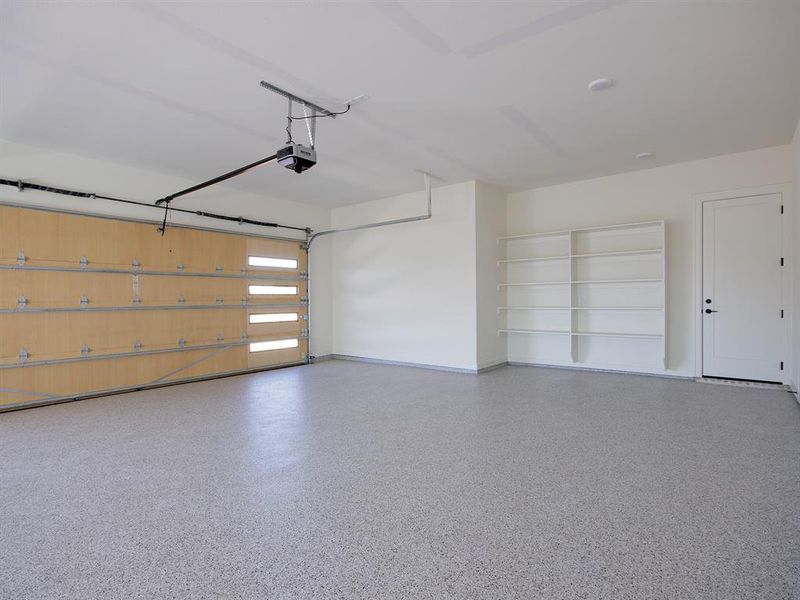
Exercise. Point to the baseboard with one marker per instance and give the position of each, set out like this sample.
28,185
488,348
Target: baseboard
598,370
322,358
399,363
492,366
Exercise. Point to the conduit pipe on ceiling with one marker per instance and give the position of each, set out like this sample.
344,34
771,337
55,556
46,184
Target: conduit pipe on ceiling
310,238
427,178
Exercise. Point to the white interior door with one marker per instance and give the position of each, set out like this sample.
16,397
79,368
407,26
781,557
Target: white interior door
743,328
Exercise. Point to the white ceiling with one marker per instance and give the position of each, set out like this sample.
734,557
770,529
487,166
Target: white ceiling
488,90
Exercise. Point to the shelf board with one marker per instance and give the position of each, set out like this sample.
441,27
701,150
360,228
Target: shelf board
652,280
623,308
582,230
586,281
653,336
533,308
589,255
533,259
545,331
617,308
619,253
534,283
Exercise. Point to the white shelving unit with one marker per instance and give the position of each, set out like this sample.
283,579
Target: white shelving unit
578,296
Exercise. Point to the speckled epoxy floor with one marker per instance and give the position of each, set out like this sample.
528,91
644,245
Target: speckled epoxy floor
349,480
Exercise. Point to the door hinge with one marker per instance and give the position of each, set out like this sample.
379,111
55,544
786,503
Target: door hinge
781,313
781,261
781,208
781,365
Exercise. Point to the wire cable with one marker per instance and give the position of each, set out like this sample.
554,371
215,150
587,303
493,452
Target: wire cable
22,185
321,116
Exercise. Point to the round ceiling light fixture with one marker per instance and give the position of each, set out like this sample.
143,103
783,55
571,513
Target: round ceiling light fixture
645,155
598,85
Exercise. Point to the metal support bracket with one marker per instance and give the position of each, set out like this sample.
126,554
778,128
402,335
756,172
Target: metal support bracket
181,299
23,356
218,268
180,267
22,302
220,338
137,346
181,343
84,301
136,300
243,337
136,265
218,299
84,262
85,351
21,258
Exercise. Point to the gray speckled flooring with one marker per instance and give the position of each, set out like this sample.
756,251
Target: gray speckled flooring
347,480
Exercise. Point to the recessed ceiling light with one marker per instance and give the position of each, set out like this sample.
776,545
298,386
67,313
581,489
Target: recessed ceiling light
598,85
645,155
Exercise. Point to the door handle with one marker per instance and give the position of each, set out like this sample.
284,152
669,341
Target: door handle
709,311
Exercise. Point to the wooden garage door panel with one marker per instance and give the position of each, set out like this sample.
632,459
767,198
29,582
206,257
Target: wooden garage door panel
112,322
36,383
160,290
61,239
64,290
48,336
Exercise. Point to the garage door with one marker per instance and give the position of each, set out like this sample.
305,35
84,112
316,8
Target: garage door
91,305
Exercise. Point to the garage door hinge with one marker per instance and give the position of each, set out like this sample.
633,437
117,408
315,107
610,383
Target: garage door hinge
23,356
22,302
21,258
85,351
84,262
137,346
84,301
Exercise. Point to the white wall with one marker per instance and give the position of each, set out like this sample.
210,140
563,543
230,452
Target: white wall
490,223
58,169
796,261
667,193
406,292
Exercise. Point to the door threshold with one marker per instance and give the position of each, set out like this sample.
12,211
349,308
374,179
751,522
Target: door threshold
764,385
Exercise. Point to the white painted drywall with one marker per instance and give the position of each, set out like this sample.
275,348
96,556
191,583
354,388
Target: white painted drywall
406,292
48,167
667,193
490,223
796,262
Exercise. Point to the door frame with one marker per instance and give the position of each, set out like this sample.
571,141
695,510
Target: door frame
784,190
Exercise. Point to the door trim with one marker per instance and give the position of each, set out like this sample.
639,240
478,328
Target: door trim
784,190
